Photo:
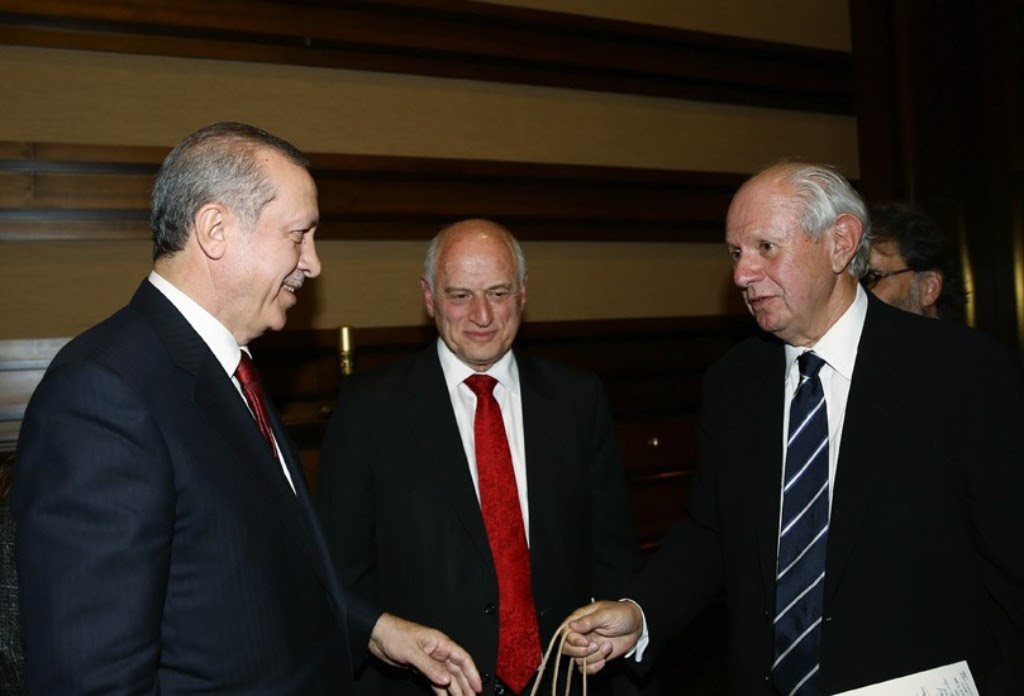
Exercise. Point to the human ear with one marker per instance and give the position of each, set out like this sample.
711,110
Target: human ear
522,291
428,297
210,230
931,287
845,234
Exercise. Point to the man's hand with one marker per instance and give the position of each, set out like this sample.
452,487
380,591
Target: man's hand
602,631
401,643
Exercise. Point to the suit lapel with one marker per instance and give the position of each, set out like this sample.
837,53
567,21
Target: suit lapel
427,409
544,471
765,452
223,407
864,434
310,533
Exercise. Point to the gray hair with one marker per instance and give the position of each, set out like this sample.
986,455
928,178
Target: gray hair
434,248
216,164
824,195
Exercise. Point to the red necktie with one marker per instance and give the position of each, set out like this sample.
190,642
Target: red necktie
518,635
249,380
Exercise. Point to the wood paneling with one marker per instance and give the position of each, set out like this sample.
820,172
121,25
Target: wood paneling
50,191
22,364
940,126
448,38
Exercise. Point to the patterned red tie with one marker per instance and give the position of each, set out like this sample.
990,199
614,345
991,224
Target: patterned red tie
518,635
249,380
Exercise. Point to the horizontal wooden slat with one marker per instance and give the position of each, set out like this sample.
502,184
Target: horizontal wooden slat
15,389
28,353
66,191
448,38
22,364
43,227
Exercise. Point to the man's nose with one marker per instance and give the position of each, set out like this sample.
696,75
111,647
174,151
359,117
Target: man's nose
480,312
309,261
745,272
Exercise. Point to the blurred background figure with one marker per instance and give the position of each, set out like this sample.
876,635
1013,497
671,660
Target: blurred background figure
913,265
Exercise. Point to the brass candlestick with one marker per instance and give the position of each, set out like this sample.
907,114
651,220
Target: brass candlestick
345,361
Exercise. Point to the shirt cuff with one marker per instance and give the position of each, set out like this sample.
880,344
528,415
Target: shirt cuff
637,653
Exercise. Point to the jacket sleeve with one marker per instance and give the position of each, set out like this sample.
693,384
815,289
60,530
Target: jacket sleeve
93,501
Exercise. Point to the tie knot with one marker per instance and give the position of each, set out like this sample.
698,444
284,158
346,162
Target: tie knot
246,371
810,364
481,385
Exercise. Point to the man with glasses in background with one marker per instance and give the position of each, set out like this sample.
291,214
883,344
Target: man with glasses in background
912,264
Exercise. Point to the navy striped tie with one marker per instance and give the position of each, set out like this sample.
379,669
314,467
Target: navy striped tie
803,533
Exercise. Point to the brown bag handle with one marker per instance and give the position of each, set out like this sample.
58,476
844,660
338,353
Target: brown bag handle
560,635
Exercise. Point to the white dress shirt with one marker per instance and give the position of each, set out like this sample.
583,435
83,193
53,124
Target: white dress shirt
838,348
509,397
217,337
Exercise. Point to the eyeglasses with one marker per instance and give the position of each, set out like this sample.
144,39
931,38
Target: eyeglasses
873,278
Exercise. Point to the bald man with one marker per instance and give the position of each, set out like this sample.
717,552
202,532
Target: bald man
406,487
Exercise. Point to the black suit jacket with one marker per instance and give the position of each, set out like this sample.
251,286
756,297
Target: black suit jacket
400,511
160,548
924,563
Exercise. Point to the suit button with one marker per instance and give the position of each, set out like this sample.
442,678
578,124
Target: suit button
499,690
489,609
542,613
485,678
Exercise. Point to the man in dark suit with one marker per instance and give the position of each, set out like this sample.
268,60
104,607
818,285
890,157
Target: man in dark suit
404,486
166,540
909,554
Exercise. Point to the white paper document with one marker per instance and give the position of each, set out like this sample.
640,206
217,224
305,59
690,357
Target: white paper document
949,680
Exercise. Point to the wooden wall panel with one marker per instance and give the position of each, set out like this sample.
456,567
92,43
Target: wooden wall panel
448,38
50,191
942,130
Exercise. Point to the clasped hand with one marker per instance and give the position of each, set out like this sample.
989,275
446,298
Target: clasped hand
602,631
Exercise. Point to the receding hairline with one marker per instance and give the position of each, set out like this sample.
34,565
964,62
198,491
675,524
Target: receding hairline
464,229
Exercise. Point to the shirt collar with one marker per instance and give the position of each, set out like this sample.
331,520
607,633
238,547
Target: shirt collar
455,371
214,334
838,347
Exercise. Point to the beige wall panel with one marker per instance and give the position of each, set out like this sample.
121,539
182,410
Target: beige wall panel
68,96
61,288
64,287
817,23
620,281
142,100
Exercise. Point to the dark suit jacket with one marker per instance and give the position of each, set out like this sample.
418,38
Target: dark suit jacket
160,548
924,563
399,508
